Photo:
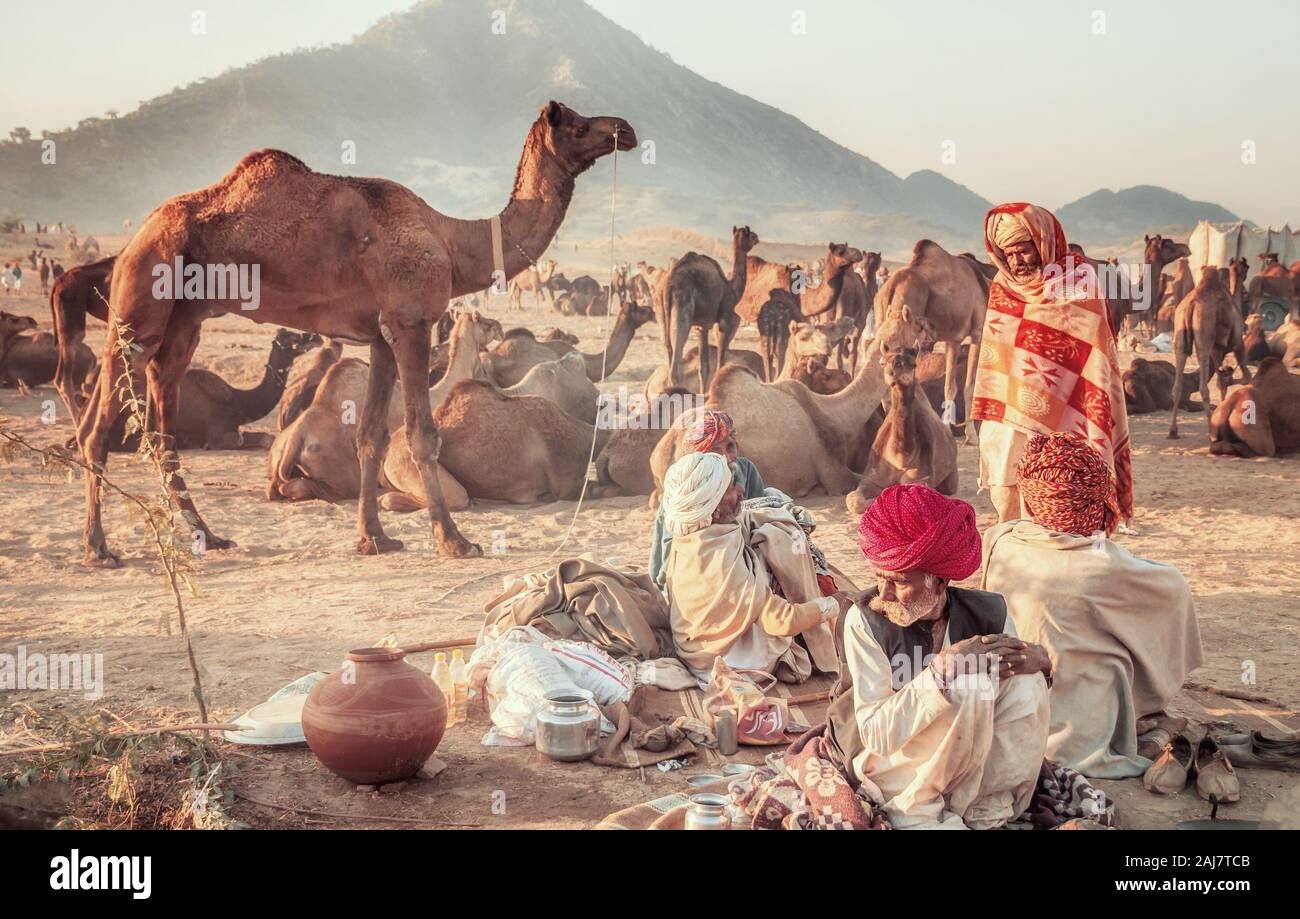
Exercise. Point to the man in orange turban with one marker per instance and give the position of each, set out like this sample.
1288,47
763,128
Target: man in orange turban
1048,360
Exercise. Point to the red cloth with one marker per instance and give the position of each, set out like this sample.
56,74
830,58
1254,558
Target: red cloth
913,527
710,428
1067,485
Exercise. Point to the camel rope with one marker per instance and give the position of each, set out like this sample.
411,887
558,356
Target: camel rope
604,356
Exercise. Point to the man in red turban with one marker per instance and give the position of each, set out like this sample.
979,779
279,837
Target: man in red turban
940,714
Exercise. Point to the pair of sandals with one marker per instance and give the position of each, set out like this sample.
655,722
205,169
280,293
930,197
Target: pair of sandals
1216,780
1255,749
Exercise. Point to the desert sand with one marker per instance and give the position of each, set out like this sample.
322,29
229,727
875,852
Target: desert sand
294,596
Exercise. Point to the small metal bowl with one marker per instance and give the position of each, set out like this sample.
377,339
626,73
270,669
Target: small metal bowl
699,781
737,768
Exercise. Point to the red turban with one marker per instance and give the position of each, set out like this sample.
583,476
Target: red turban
1067,485
913,527
710,428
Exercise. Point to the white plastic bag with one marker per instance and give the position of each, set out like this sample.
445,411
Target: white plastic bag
517,688
593,670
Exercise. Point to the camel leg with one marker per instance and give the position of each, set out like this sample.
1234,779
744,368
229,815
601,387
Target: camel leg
1180,363
678,330
69,331
950,382
93,432
706,369
412,353
726,332
1257,438
372,444
165,372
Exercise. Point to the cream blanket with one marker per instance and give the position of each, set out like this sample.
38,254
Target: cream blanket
720,595
1121,632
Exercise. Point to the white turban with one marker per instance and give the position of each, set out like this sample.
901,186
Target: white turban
693,488
1009,230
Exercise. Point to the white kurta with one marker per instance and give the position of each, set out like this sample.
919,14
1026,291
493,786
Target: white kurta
945,759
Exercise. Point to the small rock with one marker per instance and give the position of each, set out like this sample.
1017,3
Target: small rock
364,789
432,766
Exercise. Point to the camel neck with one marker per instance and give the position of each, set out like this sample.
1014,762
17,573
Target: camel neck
541,195
462,361
903,432
255,403
850,408
822,299
607,361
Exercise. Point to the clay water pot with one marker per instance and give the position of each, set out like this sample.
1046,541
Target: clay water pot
375,720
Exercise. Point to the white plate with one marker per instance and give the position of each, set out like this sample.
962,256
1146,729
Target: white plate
273,723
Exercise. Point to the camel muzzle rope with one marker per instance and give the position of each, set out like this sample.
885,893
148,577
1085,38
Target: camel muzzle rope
604,358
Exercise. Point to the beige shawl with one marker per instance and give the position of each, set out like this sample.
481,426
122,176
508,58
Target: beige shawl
720,583
1121,632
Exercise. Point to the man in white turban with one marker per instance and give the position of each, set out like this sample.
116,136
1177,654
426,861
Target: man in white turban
741,581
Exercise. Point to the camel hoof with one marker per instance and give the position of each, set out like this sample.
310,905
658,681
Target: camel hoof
461,548
1173,435
216,543
378,545
101,558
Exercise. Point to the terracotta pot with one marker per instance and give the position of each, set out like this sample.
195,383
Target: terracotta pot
375,720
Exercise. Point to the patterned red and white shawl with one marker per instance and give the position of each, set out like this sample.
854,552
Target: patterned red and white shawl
1048,360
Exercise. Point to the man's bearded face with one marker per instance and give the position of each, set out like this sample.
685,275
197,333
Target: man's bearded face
1023,260
907,597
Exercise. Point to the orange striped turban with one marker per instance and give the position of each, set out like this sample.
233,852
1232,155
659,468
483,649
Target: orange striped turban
1067,485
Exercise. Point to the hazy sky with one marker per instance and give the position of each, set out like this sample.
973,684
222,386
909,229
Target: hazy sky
1039,99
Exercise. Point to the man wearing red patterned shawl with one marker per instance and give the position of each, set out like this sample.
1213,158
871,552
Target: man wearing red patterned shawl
1120,630
940,714
1047,358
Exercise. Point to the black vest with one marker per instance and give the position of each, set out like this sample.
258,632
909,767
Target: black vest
970,613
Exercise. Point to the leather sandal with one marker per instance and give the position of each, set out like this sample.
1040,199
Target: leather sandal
1170,772
1215,777
1257,750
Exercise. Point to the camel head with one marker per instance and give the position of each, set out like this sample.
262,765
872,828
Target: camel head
899,363
1162,251
809,339
635,314
577,141
12,325
474,330
291,344
744,238
902,328
1238,268
842,254
870,263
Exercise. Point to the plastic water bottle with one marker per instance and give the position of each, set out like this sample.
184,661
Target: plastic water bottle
460,687
442,678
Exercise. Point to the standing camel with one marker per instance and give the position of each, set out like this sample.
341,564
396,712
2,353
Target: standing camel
1207,322
699,295
951,292
1159,252
394,264
535,279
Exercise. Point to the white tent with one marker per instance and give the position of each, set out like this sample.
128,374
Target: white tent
1218,244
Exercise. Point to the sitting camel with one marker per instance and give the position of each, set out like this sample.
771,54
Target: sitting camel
1285,343
538,452
509,360
304,378
1261,418
812,340
798,440
1206,322
316,457
1256,339
660,379
33,359
699,296
623,465
913,445
211,411
1273,282
564,382
951,292
1149,385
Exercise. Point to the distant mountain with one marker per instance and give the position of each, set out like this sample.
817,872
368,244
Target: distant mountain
1106,216
432,98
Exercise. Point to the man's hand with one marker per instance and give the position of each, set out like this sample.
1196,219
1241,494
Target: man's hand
973,655
1031,658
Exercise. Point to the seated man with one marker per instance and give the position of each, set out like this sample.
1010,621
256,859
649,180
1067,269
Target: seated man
1121,630
712,432
940,713
741,581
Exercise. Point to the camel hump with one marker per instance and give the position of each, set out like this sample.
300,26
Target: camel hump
922,247
264,164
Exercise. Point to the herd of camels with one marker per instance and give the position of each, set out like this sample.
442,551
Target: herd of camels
454,388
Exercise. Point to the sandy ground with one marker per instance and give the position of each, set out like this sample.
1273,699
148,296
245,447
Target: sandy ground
294,596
